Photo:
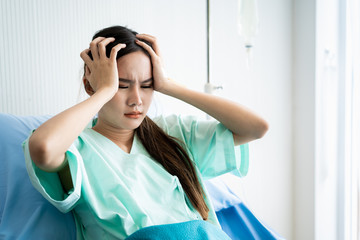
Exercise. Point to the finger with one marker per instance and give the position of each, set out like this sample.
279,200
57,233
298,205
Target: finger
94,47
149,38
115,50
147,48
146,36
87,70
85,56
102,46
152,40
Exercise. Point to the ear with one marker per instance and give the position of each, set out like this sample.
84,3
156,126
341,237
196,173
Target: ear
88,89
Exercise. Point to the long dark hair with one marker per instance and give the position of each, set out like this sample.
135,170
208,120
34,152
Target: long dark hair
163,148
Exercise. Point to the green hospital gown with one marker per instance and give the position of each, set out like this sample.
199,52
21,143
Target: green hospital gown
117,193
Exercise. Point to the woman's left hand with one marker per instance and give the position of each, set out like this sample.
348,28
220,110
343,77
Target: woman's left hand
244,124
159,75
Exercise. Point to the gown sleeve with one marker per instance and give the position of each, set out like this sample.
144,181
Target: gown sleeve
48,183
210,144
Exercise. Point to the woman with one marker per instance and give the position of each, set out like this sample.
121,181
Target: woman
126,171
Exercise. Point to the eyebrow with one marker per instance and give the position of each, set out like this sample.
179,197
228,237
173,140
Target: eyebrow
131,81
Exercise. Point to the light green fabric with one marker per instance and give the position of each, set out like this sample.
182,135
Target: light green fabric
116,193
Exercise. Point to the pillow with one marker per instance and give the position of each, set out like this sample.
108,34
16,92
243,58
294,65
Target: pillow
24,213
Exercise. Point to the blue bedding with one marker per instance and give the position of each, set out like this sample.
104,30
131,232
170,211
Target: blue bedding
24,213
235,218
194,230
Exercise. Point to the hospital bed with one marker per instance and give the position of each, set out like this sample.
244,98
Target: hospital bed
25,214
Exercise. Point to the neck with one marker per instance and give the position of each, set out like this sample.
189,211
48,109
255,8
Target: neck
121,137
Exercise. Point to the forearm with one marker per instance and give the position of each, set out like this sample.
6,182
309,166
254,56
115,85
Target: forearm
51,140
244,124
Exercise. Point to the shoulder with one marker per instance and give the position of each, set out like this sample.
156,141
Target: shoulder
174,120
180,126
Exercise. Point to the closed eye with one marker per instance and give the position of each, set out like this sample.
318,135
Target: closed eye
123,87
147,86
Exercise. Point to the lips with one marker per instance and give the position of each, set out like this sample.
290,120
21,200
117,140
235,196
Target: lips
135,114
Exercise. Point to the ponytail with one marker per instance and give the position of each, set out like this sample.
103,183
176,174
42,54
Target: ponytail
171,155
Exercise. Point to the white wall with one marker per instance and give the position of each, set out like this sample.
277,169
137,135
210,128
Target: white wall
33,81
41,43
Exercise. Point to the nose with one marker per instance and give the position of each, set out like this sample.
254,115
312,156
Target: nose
135,97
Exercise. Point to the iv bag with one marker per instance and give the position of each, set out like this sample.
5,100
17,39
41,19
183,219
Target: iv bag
248,21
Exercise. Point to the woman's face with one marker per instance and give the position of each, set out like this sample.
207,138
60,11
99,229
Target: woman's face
129,106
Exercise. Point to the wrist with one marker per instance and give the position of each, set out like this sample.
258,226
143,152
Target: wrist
105,93
171,87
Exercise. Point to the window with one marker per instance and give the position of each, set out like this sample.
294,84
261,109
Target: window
349,122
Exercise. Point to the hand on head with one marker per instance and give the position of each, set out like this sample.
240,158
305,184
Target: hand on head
101,72
159,75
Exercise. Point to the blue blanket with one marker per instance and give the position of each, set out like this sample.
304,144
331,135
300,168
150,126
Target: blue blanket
192,230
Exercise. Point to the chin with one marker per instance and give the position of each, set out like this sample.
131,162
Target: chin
132,124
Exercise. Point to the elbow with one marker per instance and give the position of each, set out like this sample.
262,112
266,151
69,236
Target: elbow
261,129
39,152
256,132
44,155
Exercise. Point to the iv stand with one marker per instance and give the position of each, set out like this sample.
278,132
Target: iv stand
209,88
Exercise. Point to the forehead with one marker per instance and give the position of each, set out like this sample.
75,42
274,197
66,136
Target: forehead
134,65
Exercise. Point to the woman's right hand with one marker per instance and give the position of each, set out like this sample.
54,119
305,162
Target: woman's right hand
102,72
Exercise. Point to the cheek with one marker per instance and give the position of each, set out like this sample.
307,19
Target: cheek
147,97
117,100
